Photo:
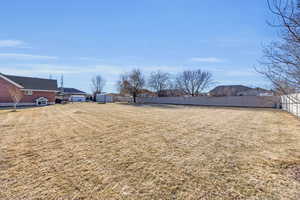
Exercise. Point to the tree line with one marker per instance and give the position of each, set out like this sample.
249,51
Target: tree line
188,82
280,63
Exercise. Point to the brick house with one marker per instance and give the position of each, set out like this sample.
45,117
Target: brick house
35,91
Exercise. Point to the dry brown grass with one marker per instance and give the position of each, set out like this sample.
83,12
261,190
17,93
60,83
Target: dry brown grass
114,151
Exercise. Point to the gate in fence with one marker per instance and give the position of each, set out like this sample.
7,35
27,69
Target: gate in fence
291,103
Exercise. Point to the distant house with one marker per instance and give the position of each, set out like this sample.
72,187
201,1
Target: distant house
256,92
239,90
146,93
71,94
228,90
35,91
113,94
171,93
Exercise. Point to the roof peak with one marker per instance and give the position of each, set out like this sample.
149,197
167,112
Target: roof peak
8,75
31,83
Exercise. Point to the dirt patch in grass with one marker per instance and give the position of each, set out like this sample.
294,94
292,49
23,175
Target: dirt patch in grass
119,151
295,172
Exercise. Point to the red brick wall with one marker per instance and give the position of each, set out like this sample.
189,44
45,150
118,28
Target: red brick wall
36,94
5,97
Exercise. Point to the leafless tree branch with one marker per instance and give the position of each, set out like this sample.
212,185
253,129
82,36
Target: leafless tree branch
281,61
97,85
131,83
194,82
15,94
159,81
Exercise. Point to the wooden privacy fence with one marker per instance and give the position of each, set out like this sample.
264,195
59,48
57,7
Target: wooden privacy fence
291,103
232,101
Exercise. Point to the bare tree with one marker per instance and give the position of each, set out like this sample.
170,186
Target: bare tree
159,81
172,89
123,84
131,83
15,94
98,84
194,82
281,61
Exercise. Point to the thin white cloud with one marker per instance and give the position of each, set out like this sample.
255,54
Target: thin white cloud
91,59
105,70
234,72
19,56
206,60
59,69
111,71
13,43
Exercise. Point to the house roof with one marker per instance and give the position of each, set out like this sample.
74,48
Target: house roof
262,90
113,94
145,91
72,91
257,89
32,83
228,90
240,87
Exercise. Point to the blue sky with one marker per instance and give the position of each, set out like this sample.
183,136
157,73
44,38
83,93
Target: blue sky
81,39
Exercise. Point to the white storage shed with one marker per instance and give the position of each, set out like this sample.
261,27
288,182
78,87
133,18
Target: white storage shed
77,98
104,98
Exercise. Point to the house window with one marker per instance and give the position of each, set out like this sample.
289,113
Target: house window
28,92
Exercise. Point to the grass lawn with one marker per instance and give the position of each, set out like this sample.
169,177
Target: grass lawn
119,151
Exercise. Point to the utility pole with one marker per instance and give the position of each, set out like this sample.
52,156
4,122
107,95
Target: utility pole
62,87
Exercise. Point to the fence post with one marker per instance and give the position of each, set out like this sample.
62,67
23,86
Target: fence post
285,108
289,106
298,104
286,104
